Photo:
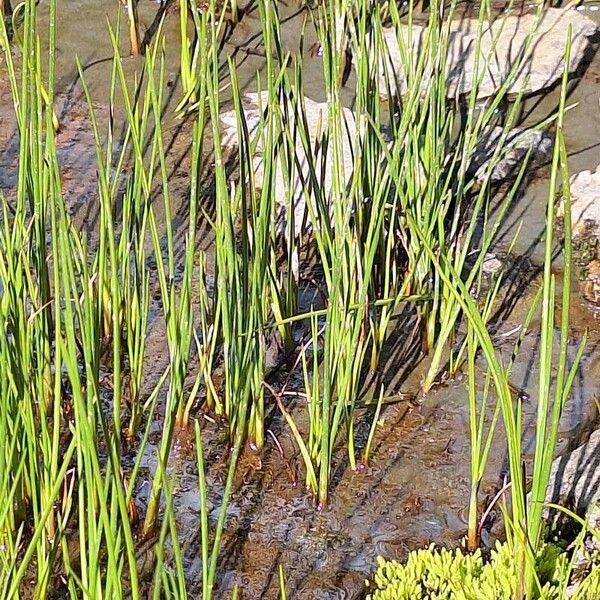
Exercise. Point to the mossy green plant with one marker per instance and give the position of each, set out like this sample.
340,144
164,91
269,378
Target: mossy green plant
441,574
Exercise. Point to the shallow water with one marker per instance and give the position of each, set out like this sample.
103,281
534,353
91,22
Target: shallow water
416,488
414,492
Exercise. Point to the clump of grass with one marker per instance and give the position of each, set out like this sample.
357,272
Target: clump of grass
368,213
54,473
527,576
248,294
177,303
67,306
339,166
433,180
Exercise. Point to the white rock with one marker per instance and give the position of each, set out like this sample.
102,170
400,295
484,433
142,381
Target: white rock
316,124
502,45
585,203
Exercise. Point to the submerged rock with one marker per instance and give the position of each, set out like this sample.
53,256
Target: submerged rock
296,184
503,44
491,264
518,143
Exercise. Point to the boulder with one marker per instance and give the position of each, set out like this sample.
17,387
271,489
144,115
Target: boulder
505,42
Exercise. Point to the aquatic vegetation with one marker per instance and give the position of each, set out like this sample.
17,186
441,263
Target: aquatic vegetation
433,179
392,218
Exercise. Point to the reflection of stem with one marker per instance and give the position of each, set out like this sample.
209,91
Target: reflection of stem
5,8
134,34
235,12
491,505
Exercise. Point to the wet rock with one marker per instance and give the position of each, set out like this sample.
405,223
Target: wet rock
575,477
321,154
585,203
503,44
516,147
491,264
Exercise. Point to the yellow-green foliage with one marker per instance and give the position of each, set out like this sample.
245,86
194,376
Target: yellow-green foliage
441,574
590,586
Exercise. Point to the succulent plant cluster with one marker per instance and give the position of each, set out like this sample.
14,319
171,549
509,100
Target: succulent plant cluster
441,574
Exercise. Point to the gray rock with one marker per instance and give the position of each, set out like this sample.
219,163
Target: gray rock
575,477
504,43
518,143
